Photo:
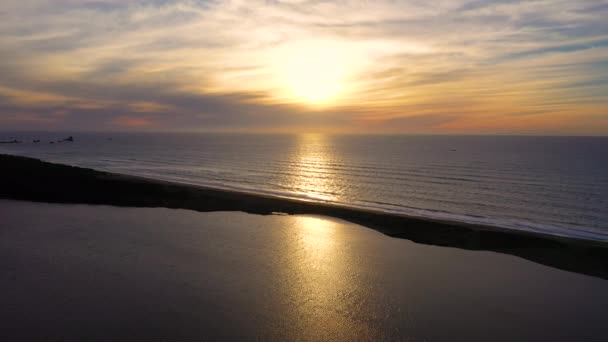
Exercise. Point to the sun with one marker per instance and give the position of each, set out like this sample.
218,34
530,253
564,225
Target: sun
313,77
314,72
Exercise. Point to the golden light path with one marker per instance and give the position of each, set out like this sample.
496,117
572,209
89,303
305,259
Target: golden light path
320,280
311,175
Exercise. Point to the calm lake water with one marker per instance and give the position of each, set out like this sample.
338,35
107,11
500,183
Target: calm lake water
552,184
98,273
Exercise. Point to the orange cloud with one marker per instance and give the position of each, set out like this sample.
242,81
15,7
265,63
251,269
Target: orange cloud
148,107
126,121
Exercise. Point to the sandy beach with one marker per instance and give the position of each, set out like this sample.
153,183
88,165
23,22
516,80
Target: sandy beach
35,180
101,273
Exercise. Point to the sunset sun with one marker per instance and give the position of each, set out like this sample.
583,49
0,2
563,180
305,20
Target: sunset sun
314,78
314,72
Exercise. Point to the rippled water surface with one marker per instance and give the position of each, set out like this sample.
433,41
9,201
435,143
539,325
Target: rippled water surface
100,273
555,184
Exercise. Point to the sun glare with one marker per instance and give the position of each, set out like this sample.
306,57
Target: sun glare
314,72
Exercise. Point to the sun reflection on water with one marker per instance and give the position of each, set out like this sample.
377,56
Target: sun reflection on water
311,174
317,238
321,280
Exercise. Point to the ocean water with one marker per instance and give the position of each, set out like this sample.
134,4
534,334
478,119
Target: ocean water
549,184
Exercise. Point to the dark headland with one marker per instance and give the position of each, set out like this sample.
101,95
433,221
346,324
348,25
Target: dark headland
31,179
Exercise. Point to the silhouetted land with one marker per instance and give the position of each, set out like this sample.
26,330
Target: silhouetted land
34,180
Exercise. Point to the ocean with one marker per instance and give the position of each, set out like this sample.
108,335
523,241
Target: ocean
556,185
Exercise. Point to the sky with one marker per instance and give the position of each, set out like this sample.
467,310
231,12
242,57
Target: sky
412,67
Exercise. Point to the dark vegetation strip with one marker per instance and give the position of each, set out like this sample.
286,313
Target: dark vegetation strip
30,179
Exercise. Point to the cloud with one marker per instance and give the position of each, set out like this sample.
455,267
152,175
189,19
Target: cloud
216,65
128,122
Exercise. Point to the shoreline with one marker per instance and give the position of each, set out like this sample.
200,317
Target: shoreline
30,179
555,232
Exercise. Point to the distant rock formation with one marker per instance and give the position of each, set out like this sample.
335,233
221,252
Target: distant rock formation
68,139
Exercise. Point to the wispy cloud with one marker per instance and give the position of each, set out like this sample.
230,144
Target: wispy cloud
449,66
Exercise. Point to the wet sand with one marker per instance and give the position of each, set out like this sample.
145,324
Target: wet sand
31,179
102,273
